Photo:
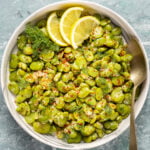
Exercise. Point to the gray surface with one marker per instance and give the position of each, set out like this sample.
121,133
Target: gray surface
12,12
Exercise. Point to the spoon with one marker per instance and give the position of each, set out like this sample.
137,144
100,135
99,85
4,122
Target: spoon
138,75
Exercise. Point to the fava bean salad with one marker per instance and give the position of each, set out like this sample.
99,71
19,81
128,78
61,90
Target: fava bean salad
78,91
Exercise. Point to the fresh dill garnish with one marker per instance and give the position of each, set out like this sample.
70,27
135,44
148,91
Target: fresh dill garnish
39,41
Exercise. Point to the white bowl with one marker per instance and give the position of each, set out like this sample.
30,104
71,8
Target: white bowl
9,98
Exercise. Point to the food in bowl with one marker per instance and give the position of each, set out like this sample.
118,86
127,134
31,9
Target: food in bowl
74,85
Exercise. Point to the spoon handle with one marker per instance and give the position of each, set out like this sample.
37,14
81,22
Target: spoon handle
133,141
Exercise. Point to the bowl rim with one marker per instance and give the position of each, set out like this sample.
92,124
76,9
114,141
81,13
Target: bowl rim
75,2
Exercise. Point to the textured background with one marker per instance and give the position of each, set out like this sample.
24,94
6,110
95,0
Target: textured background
12,12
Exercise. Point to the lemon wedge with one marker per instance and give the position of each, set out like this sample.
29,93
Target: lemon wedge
82,29
53,29
69,17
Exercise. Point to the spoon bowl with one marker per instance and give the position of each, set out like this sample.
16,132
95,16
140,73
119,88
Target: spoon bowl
138,64
138,75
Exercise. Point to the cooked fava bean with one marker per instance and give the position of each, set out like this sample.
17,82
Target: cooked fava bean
57,76
41,128
97,64
77,139
71,107
31,118
60,119
87,130
67,76
112,125
114,115
127,98
84,92
100,133
123,109
46,56
119,119
78,94
13,61
23,109
80,62
25,59
13,87
108,27
105,84
127,86
90,101
36,65
67,49
87,139
99,42
116,31
118,81
88,55
127,58
92,72
28,50
98,125
21,41
104,22
21,72
99,93
97,32
24,94
64,67
13,76
22,65
117,95
101,104
90,82
70,96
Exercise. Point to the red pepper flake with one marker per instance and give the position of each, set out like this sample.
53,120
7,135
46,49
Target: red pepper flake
80,124
66,125
107,96
122,53
71,95
64,61
69,131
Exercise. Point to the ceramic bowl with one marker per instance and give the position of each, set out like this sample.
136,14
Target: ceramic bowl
9,98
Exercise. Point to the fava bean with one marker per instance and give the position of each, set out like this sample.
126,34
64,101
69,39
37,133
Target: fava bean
70,96
112,125
23,109
92,72
99,93
84,92
87,130
13,61
97,32
36,65
41,128
13,87
88,55
21,41
25,59
27,50
123,109
117,95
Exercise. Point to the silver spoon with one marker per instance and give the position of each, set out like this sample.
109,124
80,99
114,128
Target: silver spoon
138,75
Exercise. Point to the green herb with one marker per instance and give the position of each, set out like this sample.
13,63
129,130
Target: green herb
39,41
